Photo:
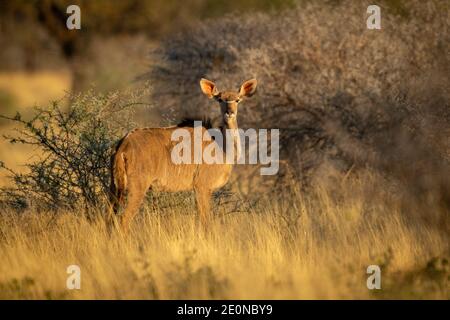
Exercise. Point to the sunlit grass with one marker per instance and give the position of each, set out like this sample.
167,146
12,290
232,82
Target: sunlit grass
259,254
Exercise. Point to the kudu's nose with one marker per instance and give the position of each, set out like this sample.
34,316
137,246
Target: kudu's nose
230,114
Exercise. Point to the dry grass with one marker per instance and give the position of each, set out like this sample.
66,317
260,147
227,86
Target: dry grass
308,246
35,88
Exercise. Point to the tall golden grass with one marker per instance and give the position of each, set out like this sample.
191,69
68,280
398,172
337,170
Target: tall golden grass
302,246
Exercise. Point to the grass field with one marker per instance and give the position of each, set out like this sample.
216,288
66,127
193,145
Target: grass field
295,249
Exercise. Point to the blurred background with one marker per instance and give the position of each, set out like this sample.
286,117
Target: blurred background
113,46
111,49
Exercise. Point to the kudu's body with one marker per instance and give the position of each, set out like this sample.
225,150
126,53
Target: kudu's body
143,160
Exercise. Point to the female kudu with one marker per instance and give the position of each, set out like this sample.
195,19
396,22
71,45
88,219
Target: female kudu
143,160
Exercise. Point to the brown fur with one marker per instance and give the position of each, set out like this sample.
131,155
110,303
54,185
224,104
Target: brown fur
143,161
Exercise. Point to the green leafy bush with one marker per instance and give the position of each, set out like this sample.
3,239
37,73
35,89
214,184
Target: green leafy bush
75,141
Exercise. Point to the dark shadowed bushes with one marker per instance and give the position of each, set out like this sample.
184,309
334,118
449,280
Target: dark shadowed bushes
343,96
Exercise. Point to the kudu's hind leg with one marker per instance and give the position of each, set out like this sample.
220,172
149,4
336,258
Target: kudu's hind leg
135,198
203,200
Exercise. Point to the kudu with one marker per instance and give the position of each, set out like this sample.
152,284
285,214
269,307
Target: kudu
142,160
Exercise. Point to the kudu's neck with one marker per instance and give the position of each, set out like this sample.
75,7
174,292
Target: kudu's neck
231,140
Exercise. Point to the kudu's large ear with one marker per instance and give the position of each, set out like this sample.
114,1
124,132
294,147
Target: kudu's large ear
208,88
248,88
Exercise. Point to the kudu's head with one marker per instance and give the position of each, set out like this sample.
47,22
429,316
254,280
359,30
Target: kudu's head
228,100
